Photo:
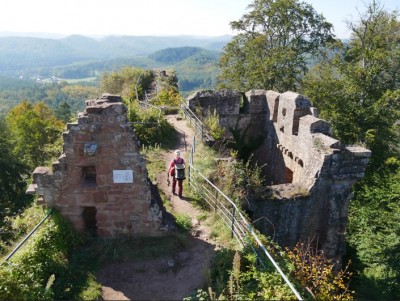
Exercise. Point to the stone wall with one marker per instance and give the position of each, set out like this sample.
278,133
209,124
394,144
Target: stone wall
245,113
310,173
100,181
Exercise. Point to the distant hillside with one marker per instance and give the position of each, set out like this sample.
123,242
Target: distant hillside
20,54
174,55
198,71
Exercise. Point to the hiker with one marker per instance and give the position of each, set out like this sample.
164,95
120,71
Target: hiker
177,171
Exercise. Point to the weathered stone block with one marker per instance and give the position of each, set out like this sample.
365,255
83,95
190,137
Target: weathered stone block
100,197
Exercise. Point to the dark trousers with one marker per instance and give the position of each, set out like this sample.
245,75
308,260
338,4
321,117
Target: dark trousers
180,187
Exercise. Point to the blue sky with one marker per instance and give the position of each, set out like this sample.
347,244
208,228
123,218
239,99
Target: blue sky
151,17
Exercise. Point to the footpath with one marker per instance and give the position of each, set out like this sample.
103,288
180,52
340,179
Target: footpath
165,278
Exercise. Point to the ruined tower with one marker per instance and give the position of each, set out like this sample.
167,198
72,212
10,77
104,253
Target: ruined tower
100,181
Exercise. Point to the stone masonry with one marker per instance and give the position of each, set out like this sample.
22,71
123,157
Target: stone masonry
309,173
100,181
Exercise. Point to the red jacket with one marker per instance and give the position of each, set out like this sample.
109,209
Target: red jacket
172,165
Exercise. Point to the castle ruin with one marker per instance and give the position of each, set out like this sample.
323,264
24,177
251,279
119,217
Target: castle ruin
100,182
310,173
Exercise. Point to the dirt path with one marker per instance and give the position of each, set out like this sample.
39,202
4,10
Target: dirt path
165,278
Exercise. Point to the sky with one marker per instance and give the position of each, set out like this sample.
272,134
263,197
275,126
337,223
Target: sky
153,17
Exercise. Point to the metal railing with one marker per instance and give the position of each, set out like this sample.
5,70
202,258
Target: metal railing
27,237
147,105
226,209
194,121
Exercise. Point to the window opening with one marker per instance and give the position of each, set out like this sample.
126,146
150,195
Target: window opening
89,176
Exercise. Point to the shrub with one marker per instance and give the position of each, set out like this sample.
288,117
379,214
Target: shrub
319,274
150,126
49,267
213,126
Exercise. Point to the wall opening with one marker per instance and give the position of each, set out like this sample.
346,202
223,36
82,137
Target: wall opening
275,113
298,113
89,218
89,176
288,175
296,122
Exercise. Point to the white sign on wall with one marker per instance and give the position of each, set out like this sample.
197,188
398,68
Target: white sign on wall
123,176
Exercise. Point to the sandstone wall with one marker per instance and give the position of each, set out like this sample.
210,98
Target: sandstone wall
100,182
309,172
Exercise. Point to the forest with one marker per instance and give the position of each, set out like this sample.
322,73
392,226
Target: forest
355,85
79,58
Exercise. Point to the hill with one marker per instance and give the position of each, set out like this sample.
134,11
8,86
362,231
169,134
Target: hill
174,55
18,55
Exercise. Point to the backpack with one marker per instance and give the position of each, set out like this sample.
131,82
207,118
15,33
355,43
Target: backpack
179,173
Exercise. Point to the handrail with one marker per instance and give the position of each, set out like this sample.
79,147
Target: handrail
192,113
193,119
151,123
27,237
248,227
242,225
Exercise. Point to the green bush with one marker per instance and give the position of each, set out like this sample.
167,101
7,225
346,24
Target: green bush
213,127
49,267
150,125
14,228
235,276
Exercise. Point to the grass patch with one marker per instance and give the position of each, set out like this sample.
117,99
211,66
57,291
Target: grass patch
166,202
183,221
154,160
204,160
221,233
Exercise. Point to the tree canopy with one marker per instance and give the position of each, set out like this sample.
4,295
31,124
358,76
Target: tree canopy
129,82
357,89
35,132
12,186
275,39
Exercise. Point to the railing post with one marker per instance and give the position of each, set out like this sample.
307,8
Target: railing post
189,175
216,201
233,221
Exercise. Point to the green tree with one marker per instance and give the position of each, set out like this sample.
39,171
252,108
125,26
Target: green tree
168,96
129,82
357,89
35,133
275,39
12,184
374,234
63,112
